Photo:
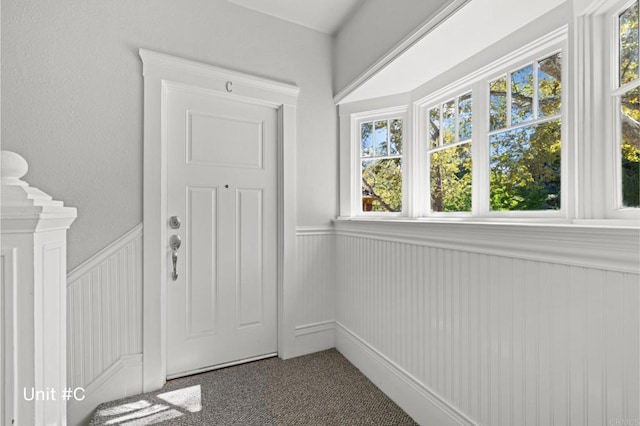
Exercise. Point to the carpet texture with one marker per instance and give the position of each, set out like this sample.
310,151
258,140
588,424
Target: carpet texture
317,389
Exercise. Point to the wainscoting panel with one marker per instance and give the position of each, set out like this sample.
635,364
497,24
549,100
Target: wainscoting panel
497,339
104,325
316,290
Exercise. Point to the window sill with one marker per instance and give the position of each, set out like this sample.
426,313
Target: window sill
603,244
504,221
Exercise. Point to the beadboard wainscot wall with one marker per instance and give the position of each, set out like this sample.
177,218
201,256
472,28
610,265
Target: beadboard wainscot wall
316,289
104,326
493,324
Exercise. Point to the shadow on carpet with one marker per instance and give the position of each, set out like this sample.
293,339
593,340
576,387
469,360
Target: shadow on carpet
317,389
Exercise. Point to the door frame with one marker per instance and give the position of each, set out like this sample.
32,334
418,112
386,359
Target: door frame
161,71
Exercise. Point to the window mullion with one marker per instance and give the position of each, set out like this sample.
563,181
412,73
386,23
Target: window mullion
534,100
480,148
410,163
418,141
508,109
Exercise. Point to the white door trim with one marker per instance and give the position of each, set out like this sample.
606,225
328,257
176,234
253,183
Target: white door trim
158,71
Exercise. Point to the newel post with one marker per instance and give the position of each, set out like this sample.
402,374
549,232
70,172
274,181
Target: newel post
33,313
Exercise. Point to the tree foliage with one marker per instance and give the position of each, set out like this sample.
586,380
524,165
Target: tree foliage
525,162
525,168
382,174
451,179
382,182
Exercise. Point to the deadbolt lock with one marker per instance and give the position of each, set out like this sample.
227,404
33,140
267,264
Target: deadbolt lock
174,222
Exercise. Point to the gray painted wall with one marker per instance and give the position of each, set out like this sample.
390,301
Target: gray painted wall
372,31
72,98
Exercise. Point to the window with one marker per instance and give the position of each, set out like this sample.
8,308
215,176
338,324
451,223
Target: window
450,128
525,137
541,132
493,143
626,101
381,165
487,145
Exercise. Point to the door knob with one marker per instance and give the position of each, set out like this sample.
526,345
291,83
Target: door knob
175,242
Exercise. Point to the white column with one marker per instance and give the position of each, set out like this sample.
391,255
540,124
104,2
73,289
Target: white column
33,278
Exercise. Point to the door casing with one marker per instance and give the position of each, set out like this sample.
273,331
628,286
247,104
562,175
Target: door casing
159,71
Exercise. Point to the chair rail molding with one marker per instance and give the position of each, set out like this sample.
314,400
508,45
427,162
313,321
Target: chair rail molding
612,248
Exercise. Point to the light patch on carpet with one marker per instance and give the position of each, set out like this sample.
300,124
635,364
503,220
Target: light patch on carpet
140,413
188,398
124,408
156,418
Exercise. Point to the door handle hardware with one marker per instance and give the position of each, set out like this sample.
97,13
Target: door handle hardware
174,222
174,242
174,259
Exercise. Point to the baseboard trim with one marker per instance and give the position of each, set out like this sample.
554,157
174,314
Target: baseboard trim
421,403
123,378
315,337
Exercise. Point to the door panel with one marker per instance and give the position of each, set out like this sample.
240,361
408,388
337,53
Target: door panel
222,183
246,152
201,247
249,257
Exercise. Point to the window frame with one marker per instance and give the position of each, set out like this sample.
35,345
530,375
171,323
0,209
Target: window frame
590,146
478,84
356,120
424,150
612,94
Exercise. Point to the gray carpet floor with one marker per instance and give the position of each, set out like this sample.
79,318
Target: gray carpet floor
317,389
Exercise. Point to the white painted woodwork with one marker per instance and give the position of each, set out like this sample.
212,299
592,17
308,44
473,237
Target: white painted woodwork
222,170
316,275
316,289
422,314
161,72
424,406
104,328
414,106
33,305
611,247
499,337
596,111
246,151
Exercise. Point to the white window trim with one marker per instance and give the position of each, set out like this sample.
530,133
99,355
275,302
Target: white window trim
356,119
477,82
586,184
415,173
614,91
599,173
423,170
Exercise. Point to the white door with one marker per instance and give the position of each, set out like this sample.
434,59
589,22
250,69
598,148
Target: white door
222,307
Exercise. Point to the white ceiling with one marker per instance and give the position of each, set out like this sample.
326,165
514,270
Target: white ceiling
476,26
321,15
